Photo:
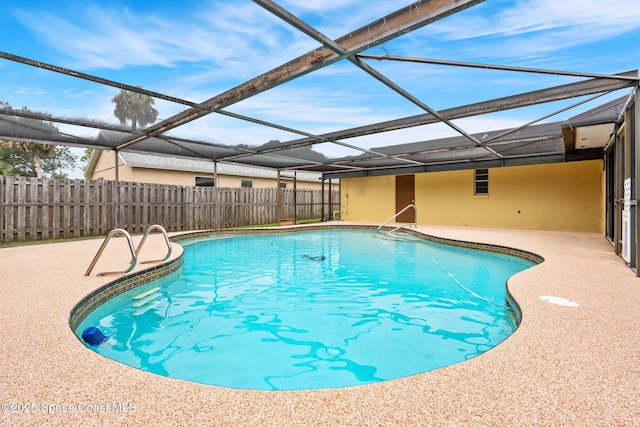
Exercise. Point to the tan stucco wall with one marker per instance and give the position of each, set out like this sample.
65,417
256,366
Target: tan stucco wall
105,169
559,196
368,199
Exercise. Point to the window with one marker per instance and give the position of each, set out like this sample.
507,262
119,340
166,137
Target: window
283,185
205,181
246,183
481,181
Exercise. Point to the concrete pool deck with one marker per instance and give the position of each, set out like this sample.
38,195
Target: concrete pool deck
573,366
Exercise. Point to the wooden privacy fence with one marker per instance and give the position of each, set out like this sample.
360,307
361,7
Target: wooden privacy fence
43,209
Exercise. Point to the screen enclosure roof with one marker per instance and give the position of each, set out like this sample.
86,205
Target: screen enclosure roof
569,119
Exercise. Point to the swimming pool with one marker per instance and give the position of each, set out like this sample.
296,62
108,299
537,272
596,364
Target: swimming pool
311,309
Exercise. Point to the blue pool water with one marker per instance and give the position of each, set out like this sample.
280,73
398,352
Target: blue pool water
311,309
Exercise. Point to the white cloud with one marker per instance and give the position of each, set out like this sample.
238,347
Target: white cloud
101,38
306,106
546,15
541,25
337,18
27,90
318,5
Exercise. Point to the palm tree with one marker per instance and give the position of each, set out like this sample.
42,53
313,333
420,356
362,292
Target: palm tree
134,107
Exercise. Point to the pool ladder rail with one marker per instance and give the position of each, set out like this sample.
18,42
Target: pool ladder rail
390,234
135,252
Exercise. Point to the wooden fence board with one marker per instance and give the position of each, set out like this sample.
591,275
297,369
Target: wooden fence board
41,209
21,190
8,200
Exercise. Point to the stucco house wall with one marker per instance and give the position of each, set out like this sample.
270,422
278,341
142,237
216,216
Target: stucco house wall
555,196
367,199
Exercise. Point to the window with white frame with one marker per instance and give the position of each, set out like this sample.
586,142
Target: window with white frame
246,183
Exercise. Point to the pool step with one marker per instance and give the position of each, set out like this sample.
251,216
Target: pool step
147,292
142,310
145,301
405,237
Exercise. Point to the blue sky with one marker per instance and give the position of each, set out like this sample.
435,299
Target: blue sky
198,49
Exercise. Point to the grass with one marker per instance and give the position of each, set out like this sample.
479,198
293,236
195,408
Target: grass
43,242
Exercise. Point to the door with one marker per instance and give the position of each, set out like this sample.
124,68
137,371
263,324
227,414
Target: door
405,195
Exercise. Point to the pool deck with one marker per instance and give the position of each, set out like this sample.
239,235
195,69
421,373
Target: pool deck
573,366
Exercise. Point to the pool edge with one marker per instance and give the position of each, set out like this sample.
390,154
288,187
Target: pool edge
98,296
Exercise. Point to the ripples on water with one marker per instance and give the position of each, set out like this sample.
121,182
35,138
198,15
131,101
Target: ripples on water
313,309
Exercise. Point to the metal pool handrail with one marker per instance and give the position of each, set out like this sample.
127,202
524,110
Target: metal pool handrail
112,233
166,240
414,223
134,252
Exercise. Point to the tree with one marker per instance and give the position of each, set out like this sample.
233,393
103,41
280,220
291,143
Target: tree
17,162
305,153
26,158
5,168
37,151
84,159
134,107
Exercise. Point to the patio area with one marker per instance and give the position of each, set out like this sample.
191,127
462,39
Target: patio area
562,366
